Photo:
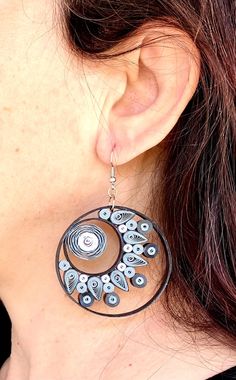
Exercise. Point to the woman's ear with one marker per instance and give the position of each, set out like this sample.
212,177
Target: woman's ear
156,82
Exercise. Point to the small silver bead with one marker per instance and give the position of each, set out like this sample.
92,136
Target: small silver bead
138,248
121,267
139,281
129,272
81,287
128,248
86,299
105,278
144,226
108,288
131,224
83,277
151,250
105,213
112,299
64,265
122,228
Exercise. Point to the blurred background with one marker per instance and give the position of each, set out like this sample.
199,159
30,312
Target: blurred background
5,334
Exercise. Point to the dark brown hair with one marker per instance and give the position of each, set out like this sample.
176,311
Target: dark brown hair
198,190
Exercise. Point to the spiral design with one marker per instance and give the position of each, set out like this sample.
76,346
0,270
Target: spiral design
86,241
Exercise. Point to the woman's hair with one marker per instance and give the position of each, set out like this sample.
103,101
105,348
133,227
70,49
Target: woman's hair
198,190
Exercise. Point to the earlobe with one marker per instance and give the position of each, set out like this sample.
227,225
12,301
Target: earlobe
157,90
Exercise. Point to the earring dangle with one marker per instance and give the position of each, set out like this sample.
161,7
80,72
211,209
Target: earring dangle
108,256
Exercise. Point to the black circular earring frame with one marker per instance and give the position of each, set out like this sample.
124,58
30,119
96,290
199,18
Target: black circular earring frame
163,239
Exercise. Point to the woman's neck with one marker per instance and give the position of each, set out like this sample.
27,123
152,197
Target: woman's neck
53,339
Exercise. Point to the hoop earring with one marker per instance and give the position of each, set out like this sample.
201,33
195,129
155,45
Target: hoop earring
101,290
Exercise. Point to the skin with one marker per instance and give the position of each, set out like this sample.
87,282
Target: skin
59,122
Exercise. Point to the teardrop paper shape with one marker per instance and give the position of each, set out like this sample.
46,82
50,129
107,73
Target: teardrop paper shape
134,237
133,260
119,280
71,279
121,216
95,286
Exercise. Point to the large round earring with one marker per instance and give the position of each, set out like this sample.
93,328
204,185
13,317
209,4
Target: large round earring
108,256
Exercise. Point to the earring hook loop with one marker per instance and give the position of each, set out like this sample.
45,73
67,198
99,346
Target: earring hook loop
112,189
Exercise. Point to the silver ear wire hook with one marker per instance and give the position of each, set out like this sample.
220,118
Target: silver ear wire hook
112,188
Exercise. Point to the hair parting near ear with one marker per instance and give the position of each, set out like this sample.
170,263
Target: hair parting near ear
198,190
